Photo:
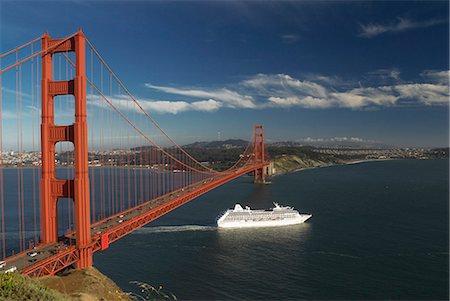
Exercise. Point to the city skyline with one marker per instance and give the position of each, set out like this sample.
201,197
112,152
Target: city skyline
373,71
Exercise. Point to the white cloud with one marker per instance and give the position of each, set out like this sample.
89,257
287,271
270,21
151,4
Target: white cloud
306,94
311,95
124,103
354,99
229,98
283,91
304,102
284,84
329,80
428,94
350,100
435,76
362,97
402,24
353,139
209,105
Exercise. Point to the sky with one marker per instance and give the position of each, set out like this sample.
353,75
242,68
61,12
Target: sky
306,70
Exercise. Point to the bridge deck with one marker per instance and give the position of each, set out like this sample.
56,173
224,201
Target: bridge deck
52,258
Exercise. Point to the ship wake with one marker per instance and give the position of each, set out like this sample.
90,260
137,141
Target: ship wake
170,229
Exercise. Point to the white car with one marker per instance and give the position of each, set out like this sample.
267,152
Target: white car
32,254
2,264
11,269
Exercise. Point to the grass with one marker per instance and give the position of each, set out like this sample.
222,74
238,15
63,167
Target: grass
14,286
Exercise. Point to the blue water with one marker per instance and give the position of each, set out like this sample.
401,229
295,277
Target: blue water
112,190
379,231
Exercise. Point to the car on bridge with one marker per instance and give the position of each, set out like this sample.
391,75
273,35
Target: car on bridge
11,269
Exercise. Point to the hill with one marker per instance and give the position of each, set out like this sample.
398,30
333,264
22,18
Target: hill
78,285
230,143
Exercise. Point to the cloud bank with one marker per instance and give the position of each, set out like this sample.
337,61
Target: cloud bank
125,103
283,91
437,77
229,98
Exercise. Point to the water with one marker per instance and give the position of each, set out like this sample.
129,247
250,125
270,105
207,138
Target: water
379,231
112,190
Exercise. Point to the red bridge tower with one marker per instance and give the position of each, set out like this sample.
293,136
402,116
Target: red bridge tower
53,188
260,173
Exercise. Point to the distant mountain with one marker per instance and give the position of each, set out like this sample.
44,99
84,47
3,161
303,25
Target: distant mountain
307,143
230,143
334,143
144,148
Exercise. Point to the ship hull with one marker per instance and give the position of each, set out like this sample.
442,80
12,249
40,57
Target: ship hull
264,223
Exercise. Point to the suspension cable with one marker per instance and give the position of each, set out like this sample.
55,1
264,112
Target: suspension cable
37,53
134,126
142,109
20,47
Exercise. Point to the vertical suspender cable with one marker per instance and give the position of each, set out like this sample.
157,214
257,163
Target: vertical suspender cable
135,171
18,164
70,203
110,155
33,170
128,162
39,109
21,161
91,155
21,157
2,195
102,170
141,184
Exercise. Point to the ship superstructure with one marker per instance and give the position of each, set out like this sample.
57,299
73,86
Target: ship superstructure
246,217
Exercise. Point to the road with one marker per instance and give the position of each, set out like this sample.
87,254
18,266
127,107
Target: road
24,259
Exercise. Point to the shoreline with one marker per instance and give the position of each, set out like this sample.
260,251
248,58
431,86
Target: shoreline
370,160
334,164
348,163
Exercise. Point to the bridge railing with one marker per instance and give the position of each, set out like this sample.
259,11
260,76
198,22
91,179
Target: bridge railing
131,159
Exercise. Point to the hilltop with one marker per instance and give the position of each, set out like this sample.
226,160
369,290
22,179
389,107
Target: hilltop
230,143
78,285
290,156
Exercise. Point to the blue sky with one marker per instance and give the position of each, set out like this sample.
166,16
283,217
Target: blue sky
368,69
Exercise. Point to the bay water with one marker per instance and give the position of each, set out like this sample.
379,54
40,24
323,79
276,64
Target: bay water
380,230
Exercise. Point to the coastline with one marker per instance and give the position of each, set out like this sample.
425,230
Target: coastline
369,160
330,165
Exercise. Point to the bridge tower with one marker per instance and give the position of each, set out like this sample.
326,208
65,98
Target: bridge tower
260,173
77,188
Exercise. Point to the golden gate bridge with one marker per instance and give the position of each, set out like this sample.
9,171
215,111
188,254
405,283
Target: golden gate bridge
102,167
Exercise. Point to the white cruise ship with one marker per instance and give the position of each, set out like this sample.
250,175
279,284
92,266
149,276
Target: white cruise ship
277,216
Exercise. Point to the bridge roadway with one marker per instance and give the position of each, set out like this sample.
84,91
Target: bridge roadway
52,258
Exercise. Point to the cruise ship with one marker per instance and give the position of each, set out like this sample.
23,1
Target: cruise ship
277,216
